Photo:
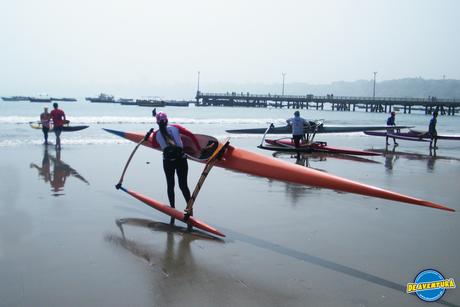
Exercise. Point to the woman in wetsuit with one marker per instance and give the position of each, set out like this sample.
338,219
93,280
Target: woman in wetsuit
174,159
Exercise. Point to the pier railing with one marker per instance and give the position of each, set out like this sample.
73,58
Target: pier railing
337,103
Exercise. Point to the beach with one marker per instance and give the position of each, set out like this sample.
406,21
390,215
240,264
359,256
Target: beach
69,238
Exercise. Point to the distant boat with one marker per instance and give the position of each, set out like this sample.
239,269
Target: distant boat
63,99
150,103
40,98
127,101
102,98
16,98
177,103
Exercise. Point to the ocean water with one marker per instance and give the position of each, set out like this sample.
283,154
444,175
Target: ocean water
15,118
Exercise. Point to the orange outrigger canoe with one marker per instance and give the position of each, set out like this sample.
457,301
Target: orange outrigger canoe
264,166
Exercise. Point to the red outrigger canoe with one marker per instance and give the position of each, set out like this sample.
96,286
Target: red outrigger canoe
288,143
264,166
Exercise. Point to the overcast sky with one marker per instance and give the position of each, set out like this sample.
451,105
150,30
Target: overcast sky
141,46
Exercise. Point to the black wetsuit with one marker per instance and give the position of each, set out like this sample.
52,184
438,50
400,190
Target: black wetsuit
179,166
174,161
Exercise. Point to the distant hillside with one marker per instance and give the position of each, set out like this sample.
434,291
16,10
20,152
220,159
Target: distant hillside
409,87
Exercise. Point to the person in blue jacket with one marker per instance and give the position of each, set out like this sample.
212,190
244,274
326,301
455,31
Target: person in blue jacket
432,130
297,124
391,122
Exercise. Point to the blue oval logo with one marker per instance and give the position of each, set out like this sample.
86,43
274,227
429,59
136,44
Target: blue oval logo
430,285
428,277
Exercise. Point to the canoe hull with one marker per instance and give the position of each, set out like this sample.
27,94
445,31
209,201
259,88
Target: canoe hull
249,162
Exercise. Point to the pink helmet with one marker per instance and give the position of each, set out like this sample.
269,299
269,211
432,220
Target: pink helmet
161,117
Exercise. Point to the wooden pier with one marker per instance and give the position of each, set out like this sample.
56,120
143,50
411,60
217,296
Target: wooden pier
335,103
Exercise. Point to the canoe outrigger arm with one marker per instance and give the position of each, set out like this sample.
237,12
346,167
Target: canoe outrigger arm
315,125
311,127
265,134
145,139
210,163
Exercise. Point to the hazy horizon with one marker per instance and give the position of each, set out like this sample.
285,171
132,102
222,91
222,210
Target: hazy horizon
156,48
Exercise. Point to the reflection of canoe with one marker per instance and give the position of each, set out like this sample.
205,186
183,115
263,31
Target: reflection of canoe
173,212
412,155
321,156
315,147
164,227
264,166
66,128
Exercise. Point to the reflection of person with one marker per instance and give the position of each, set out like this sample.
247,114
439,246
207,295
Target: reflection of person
45,119
60,173
432,130
297,123
390,159
59,120
431,160
45,170
302,160
391,122
174,159
57,175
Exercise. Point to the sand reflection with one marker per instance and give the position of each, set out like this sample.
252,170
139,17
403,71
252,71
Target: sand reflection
55,172
178,277
391,156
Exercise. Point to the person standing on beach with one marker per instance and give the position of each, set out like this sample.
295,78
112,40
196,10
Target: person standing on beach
174,158
432,130
297,124
45,119
391,122
58,117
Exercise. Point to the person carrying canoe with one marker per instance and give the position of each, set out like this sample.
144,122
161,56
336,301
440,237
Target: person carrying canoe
297,124
58,117
45,119
432,131
168,138
391,122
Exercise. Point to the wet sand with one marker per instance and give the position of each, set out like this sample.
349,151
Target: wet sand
68,238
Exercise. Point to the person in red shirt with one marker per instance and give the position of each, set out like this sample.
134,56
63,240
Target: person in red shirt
58,117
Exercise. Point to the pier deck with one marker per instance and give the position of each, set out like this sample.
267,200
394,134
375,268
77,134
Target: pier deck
336,103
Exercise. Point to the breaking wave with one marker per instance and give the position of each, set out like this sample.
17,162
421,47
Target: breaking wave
87,120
